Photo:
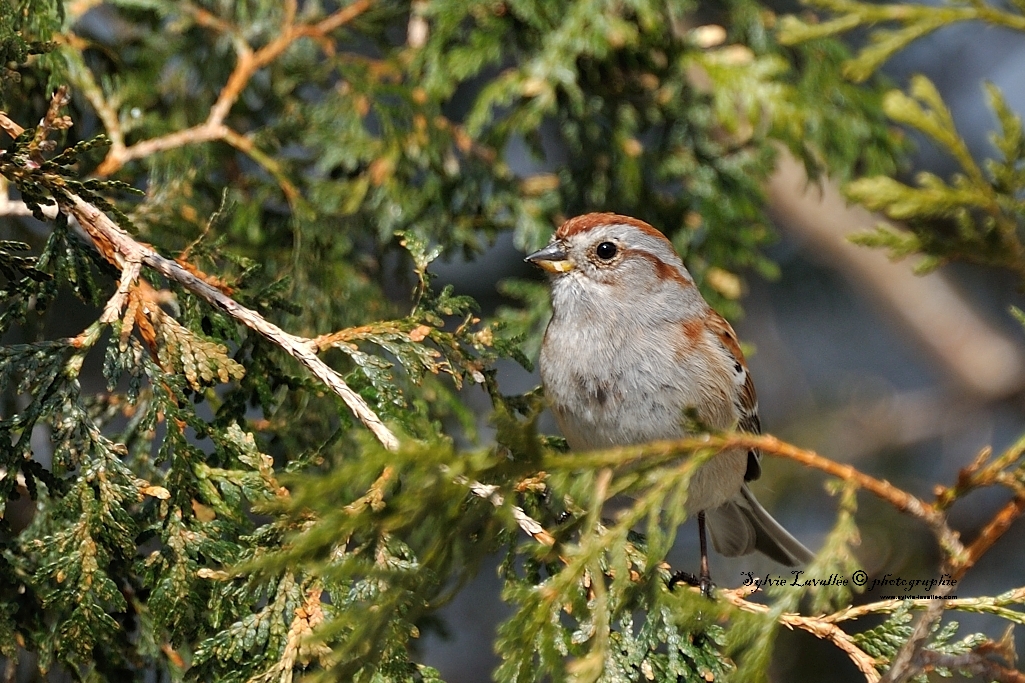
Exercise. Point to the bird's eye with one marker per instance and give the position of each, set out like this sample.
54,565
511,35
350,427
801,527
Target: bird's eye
606,250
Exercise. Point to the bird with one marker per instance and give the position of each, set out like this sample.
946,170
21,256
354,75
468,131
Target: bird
631,349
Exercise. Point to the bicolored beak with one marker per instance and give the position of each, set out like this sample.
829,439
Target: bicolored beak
552,258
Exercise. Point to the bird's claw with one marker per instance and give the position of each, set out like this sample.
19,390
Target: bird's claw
704,583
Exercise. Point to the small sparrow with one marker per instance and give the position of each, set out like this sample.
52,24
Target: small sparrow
631,346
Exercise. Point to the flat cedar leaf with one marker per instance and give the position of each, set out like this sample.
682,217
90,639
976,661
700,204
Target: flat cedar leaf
883,45
1018,314
793,30
927,264
899,243
1008,173
925,110
212,511
203,362
901,202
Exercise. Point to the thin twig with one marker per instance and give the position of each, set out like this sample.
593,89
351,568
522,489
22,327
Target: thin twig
973,663
10,126
670,450
818,627
898,498
983,472
51,121
247,64
983,605
119,247
996,527
374,497
902,665
130,273
527,523
122,250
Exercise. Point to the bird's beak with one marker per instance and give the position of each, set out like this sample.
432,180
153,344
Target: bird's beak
552,258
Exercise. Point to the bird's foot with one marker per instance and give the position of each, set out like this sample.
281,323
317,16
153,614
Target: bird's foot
704,582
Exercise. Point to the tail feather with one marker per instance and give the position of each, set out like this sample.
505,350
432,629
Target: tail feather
732,532
742,525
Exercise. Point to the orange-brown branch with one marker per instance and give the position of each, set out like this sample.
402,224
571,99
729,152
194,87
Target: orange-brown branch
820,628
247,64
996,528
900,499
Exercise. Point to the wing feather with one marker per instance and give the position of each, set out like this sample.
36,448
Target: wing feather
745,399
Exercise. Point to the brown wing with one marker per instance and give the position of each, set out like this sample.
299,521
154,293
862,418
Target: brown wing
745,399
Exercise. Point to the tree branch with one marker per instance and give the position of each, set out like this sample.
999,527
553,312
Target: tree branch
898,498
983,605
819,627
119,247
666,451
124,251
247,64
996,527
528,524
973,663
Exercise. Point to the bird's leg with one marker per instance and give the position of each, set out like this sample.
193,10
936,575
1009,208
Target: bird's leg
705,577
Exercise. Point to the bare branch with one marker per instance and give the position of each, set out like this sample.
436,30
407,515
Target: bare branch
818,627
130,273
10,127
51,121
118,246
982,605
996,527
247,64
528,524
665,451
973,663
121,249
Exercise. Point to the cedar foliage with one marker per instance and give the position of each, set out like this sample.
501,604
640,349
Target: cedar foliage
216,511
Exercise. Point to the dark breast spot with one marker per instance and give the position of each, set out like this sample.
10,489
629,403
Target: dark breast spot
593,388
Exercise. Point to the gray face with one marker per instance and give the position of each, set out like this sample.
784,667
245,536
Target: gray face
625,256
618,269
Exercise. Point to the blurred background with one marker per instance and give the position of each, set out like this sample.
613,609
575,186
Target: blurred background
907,378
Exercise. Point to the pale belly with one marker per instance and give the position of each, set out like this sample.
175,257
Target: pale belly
651,399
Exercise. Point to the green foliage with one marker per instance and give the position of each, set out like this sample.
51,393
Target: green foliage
914,20
883,641
835,558
977,215
26,29
209,509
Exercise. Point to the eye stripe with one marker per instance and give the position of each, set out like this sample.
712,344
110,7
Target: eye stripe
664,270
